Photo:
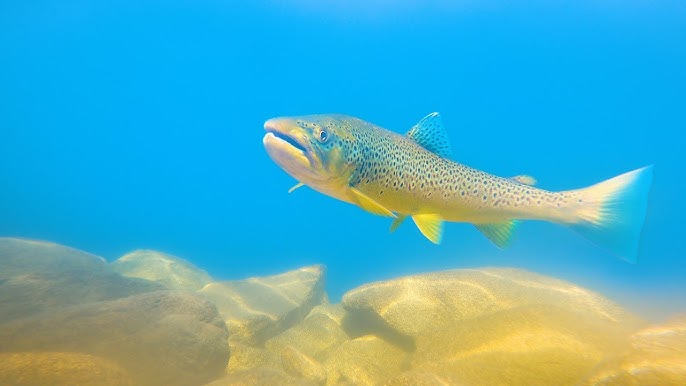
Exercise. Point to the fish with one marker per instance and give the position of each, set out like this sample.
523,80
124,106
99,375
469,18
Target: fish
413,175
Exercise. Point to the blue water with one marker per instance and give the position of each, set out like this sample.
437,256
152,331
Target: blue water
127,125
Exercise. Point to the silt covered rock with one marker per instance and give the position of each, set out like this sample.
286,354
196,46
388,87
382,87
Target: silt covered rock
60,369
167,270
656,356
159,338
257,309
37,276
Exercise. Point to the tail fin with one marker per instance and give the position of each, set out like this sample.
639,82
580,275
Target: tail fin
612,212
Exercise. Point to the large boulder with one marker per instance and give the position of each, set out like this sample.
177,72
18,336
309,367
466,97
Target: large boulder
36,276
159,338
491,326
167,270
527,345
259,308
657,356
415,306
60,369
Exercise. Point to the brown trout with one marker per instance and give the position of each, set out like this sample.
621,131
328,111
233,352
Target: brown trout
396,175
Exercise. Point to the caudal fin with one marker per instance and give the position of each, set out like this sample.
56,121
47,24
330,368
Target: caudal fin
611,213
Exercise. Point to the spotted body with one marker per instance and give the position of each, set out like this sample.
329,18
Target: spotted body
396,175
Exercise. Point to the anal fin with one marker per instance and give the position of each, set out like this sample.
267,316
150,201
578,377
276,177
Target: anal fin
500,233
431,226
370,205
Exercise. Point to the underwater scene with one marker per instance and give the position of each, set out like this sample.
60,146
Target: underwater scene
374,192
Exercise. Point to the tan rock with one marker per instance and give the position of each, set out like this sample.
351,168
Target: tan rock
37,276
159,338
170,271
527,345
657,356
316,337
367,360
245,357
60,368
414,306
260,376
257,309
419,378
302,366
335,312
18,256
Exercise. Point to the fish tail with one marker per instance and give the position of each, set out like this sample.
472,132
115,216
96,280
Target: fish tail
611,213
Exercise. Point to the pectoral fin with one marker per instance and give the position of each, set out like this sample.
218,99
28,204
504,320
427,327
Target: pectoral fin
367,203
296,186
397,221
431,226
500,233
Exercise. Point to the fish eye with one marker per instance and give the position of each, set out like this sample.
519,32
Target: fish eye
323,136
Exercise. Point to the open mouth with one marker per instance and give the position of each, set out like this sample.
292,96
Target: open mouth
290,140
287,144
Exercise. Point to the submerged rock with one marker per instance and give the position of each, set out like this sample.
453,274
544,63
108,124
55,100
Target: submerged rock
302,366
316,337
160,338
36,276
491,326
300,350
657,356
257,309
245,357
261,376
170,271
414,306
66,317
335,312
417,378
528,345
367,360
60,369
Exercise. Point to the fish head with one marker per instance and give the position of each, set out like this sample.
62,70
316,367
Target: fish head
312,149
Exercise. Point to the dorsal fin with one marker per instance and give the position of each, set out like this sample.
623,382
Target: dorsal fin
430,134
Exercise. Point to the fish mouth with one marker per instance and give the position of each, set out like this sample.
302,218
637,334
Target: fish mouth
289,139
280,130
288,145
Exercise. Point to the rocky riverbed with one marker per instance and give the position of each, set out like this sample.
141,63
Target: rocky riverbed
69,317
